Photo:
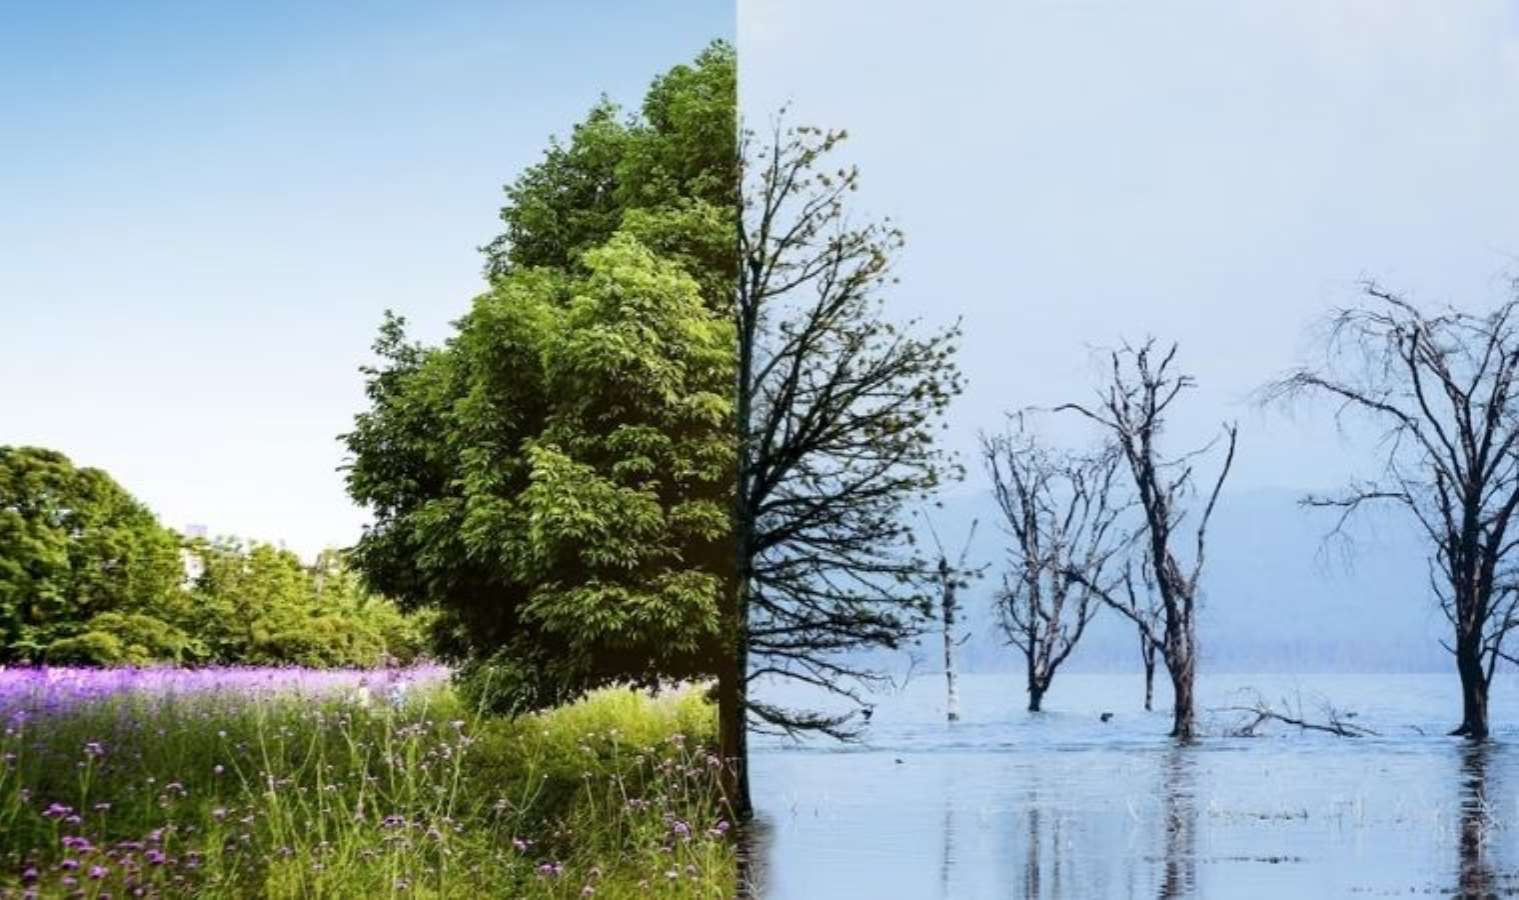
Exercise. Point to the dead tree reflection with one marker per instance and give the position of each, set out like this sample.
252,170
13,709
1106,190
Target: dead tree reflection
1474,870
947,861
1178,797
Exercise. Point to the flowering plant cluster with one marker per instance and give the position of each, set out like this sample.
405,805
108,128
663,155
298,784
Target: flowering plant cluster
295,782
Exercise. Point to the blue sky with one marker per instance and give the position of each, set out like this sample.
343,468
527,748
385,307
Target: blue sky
1072,173
208,206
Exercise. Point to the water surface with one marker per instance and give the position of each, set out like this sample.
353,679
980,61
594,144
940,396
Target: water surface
1060,804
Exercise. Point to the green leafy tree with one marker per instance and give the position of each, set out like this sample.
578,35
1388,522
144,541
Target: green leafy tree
89,577
257,603
75,546
556,479
668,176
340,590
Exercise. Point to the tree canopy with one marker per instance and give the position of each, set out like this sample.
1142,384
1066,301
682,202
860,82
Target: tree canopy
74,544
89,576
667,175
555,479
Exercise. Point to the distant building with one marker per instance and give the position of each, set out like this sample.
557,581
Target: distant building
192,562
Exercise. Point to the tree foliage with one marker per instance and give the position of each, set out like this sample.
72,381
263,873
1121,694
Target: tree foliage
74,545
668,176
256,603
89,576
555,478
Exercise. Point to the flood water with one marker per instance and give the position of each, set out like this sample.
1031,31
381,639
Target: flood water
1059,804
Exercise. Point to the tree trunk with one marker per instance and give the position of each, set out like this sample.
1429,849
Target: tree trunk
733,736
1035,690
732,702
1181,689
1036,696
1150,682
952,698
1473,689
733,680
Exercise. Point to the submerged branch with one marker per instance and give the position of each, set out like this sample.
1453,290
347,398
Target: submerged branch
1335,721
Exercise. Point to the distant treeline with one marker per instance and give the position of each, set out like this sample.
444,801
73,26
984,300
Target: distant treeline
89,576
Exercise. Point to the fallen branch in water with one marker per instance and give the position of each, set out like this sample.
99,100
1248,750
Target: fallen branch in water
1335,721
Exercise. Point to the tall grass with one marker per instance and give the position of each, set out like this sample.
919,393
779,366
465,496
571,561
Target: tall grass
221,795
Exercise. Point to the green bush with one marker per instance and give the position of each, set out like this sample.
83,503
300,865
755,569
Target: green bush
92,648
124,639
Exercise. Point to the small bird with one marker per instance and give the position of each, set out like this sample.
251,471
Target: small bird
1106,716
867,712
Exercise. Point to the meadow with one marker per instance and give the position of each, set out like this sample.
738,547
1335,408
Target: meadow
239,782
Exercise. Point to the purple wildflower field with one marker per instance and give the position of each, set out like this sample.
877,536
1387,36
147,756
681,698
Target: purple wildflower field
27,691
288,782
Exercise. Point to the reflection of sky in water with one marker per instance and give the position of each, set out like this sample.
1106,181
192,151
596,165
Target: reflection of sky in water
1061,805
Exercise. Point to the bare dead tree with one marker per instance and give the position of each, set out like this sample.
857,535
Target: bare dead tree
1132,407
837,408
952,579
1440,387
1060,510
1144,610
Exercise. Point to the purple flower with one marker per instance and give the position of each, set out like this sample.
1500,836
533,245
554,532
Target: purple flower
28,692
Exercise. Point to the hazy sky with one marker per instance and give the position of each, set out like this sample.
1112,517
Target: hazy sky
207,207
1070,173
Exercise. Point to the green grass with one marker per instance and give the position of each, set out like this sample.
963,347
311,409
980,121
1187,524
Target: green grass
211,796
